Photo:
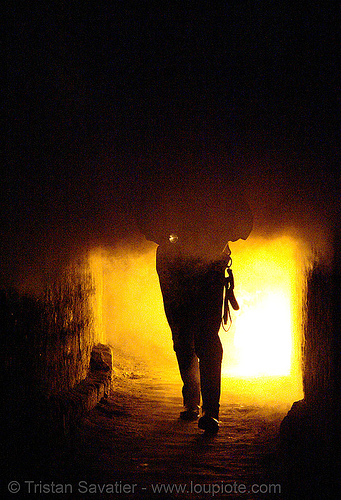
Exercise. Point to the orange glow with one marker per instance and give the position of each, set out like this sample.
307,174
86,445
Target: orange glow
133,315
261,348
264,328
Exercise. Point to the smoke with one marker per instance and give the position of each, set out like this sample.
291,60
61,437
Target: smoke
133,315
62,209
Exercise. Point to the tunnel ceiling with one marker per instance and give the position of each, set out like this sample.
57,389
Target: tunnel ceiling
104,99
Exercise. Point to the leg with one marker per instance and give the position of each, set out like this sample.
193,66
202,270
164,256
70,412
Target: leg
189,370
211,353
177,307
210,376
208,347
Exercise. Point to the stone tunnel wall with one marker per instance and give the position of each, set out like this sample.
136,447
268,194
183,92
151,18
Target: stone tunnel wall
322,333
318,369
311,432
46,342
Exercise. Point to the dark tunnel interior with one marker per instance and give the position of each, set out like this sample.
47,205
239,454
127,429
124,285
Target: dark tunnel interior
112,108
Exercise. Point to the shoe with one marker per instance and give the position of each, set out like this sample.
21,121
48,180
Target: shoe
209,424
190,414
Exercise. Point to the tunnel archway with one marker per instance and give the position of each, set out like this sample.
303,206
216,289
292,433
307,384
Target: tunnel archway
262,345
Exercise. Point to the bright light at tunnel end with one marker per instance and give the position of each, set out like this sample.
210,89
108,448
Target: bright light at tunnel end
265,330
262,347
262,337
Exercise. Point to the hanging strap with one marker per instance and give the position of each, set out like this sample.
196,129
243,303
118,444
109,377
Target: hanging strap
229,295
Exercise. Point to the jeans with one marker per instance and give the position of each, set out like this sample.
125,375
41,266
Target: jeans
192,291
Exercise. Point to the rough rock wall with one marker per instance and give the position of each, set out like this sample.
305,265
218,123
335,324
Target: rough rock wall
46,342
318,358
311,432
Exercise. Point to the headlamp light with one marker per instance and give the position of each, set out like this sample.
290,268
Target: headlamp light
173,238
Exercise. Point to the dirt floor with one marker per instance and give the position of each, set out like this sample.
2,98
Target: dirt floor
133,445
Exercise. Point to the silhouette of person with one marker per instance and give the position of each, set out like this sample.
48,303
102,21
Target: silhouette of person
192,227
